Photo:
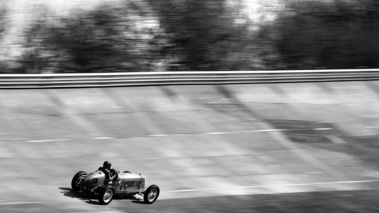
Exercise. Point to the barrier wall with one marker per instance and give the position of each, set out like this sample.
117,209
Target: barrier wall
27,81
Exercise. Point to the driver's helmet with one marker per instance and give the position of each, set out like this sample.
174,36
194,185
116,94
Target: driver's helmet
107,164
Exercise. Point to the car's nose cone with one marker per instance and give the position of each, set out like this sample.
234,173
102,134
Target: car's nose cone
93,179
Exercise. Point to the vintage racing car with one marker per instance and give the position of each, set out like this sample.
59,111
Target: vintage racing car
125,183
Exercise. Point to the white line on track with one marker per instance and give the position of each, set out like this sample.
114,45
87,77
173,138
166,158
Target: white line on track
159,135
371,127
216,133
278,185
103,138
45,141
36,141
270,130
243,131
18,203
322,129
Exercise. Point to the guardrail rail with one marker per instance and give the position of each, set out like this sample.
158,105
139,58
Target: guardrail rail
39,81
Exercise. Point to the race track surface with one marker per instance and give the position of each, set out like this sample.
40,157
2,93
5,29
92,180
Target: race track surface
211,148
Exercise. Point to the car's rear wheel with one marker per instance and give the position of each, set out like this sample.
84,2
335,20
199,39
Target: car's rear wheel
106,196
75,183
151,194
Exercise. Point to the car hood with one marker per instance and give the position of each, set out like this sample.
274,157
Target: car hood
93,179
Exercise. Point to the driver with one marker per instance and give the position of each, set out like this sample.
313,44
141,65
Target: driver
110,174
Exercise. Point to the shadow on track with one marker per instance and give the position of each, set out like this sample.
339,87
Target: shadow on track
92,199
139,202
68,192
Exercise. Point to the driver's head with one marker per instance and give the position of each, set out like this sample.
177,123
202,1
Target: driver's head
107,164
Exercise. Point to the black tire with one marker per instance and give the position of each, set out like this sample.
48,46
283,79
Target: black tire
74,182
106,195
151,194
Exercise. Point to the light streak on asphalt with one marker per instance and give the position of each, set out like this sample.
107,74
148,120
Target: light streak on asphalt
322,129
155,135
18,203
104,138
44,141
276,185
371,127
159,135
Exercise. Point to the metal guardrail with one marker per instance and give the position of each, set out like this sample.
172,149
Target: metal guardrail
38,81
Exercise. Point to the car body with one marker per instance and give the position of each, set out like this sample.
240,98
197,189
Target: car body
125,183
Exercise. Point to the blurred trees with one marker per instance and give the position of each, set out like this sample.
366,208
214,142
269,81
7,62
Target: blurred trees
3,26
336,34
109,38
160,35
3,19
203,35
176,35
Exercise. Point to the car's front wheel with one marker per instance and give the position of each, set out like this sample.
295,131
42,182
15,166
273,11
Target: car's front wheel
78,177
151,194
106,195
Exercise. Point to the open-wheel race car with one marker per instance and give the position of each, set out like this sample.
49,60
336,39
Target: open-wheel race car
125,183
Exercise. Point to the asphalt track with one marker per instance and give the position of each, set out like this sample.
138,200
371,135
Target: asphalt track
241,148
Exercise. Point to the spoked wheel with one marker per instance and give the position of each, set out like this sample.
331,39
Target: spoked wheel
106,195
75,183
151,194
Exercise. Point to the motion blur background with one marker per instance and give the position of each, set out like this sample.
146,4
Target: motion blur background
269,147
58,36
